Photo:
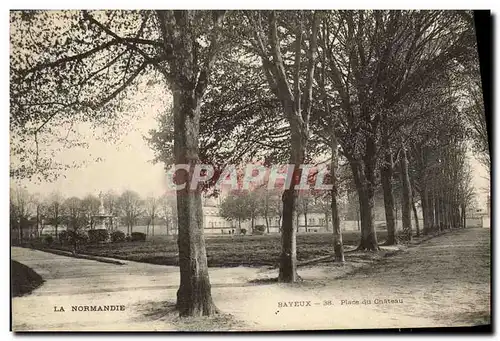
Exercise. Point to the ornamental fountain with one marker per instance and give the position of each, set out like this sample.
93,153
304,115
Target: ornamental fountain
101,217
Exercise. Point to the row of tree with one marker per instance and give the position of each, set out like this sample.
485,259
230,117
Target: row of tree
31,213
373,88
386,92
241,206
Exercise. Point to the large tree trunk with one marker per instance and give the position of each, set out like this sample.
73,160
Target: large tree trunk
366,202
358,218
444,210
194,296
397,216
406,196
464,217
415,216
442,222
448,210
457,215
439,220
297,106
338,246
369,237
368,234
288,258
430,209
386,172
426,214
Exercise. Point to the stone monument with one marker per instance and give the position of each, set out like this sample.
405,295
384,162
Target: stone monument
102,216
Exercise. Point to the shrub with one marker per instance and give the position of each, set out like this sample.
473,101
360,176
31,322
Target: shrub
117,236
98,236
47,239
137,237
243,231
259,229
77,238
63,237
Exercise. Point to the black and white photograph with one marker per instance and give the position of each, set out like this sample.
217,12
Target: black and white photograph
249,170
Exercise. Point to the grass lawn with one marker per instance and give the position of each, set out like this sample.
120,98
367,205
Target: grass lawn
226,251
23,279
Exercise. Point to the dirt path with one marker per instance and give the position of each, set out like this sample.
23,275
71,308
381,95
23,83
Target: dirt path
443,282
73,282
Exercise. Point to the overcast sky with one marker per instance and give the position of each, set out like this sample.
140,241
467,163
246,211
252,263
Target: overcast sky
127,163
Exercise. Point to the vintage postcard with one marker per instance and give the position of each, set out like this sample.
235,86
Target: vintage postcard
261,170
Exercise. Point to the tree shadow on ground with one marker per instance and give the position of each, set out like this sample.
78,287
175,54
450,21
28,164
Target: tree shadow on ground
264,280
166,311
23,279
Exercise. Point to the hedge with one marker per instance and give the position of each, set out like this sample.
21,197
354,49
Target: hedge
137,237
117,236
98,236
